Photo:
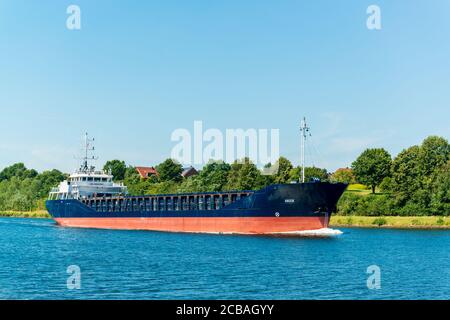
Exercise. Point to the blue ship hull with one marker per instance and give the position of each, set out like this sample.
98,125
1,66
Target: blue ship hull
274,209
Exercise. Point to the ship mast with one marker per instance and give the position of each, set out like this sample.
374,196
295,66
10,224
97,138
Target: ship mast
87,148
304,129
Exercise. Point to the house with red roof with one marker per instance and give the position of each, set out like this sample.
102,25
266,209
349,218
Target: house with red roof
146,172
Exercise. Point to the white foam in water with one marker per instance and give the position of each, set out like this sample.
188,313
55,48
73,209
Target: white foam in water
324,232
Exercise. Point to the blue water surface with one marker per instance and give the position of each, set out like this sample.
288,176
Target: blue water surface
35,255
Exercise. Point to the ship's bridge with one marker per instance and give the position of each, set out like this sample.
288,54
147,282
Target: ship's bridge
94,176
87,182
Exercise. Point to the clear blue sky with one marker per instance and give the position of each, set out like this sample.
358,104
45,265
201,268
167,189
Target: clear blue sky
137,70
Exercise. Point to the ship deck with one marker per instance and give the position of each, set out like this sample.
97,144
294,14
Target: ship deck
166,202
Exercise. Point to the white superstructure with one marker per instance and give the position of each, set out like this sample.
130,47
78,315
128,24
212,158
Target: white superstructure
87,182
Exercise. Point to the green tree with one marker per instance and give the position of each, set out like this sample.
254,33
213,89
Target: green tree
131,174
24,189
310,173
169,170
405,174
191,184
117,169
214,176
372,166
164,187
440,190
415,172
244,175
434,153
45,181
284,169
132,180
17,170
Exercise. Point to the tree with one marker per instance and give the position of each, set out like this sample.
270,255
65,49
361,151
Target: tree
244,175
415,171
164,187
214,176
191,184
405,173
284,170
434,153
372,166
132,180
22,189
47,180
343,175
440,190
310,173
169,170
17,170
117,169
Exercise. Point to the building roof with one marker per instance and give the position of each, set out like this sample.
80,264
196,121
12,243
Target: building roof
146,172
189,171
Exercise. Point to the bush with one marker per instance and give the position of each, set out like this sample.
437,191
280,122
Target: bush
379,221
347,204
412,209
369,205
379,205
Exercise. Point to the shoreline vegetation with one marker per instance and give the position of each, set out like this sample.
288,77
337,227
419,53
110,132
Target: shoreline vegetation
350,221
391,222
25,214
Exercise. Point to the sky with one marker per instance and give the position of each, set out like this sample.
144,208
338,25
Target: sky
136,71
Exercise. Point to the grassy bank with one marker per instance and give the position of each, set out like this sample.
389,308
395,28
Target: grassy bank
25,214
417,222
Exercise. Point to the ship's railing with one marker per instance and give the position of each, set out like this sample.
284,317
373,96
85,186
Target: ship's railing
181,202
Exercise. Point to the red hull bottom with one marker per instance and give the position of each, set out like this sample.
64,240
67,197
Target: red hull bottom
241,225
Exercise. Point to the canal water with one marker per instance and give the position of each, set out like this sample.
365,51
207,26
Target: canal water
39,260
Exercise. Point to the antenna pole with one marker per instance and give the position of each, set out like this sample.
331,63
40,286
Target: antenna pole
304,129
87,148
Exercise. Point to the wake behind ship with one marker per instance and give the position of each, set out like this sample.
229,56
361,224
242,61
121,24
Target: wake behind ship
90,199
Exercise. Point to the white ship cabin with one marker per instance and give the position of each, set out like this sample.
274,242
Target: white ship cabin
85,184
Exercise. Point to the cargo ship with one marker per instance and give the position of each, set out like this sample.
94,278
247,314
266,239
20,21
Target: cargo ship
90,199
